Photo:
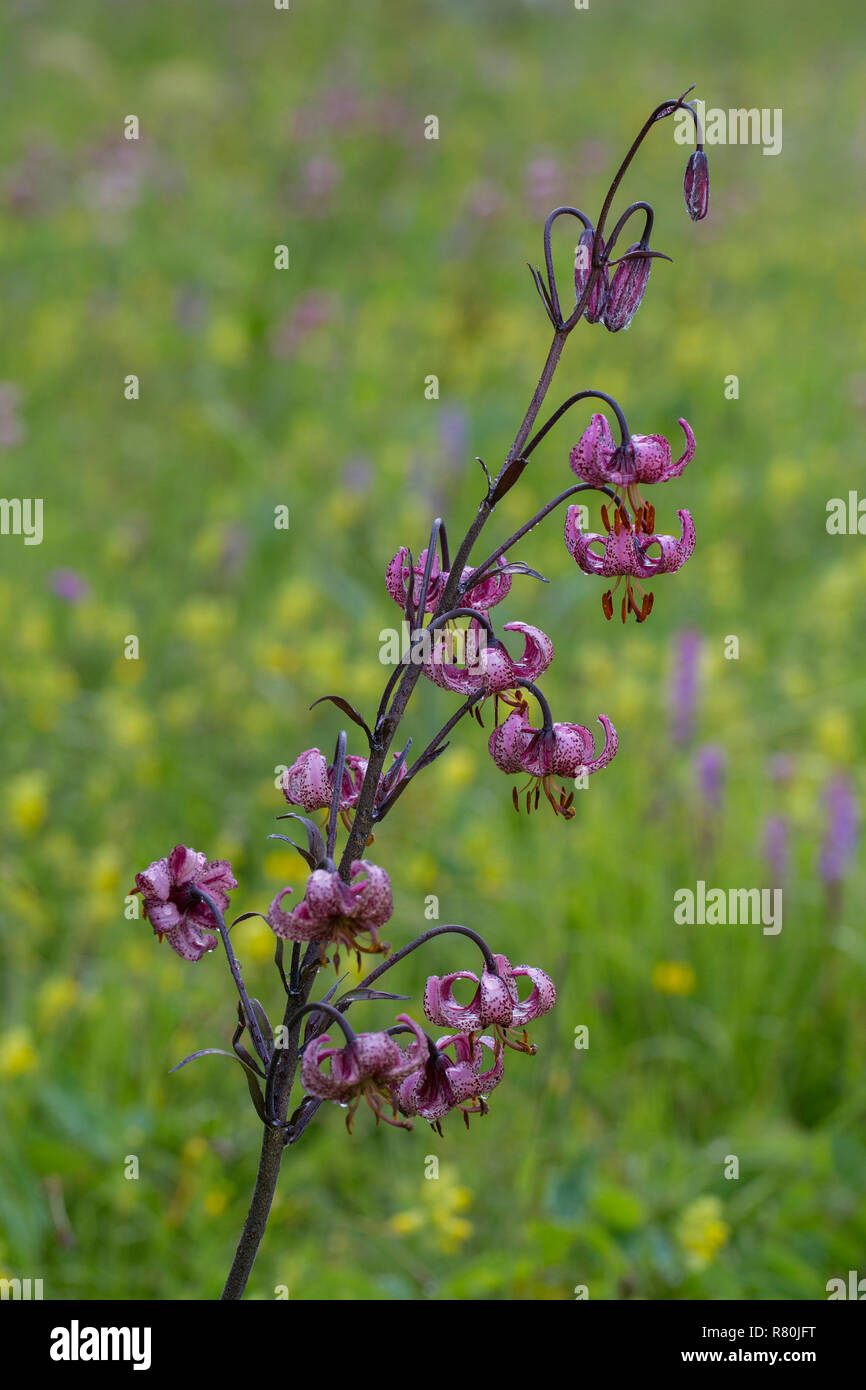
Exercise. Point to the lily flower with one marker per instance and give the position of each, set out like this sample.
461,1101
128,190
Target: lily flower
560,751
482,596
443,1083
598,460
368,1067
488,666
625,552
496,1002
309,782
170,907
336,913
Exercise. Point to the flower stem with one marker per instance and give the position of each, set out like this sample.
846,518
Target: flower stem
273,1143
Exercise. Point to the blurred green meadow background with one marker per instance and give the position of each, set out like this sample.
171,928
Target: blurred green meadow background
601,1166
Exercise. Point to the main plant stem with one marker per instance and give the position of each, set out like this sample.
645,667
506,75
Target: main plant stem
286,1059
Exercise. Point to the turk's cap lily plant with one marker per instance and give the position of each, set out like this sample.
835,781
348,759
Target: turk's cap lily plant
348,899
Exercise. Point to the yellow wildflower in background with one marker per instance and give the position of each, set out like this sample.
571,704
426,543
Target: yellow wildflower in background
216,1201
701,1232
206,619
674,977
457,769
55,999
27,800
836,735
443,1200
17,1053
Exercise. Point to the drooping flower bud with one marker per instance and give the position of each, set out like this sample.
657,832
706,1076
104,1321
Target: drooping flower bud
627,288
583,269
696,185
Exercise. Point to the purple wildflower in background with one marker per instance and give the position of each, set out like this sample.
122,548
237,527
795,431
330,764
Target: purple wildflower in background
777,827
776,847
69,585
685,684
841,830
710,764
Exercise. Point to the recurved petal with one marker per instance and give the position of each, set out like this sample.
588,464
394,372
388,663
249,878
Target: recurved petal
611,743
579,544
537,651
488,592
540,999
279,920
442,1008
686,456
395,581
372,894
488,1080
673,552
318,1083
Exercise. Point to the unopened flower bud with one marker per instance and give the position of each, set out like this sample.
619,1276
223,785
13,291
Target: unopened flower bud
583,269
627,288
696,186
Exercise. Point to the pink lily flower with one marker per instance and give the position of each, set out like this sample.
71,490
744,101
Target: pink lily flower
168,905
598,460
338,913
482,596
443,1084
563,750
368,1068
626,553
488,666
496,1002
309,782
